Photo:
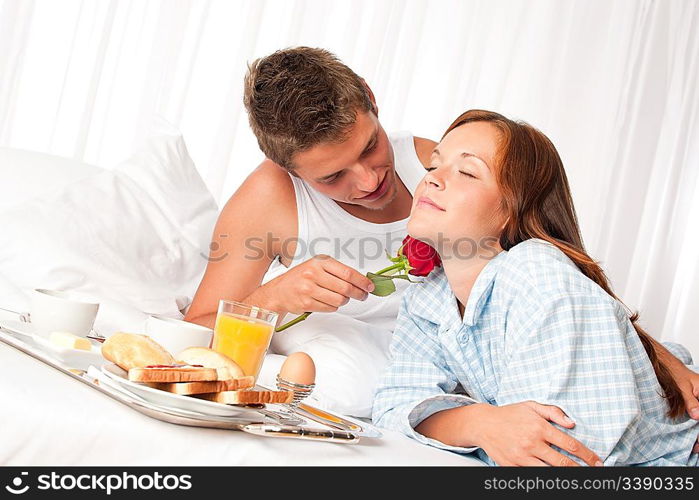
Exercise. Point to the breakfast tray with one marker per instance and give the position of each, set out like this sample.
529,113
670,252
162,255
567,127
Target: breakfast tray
306,423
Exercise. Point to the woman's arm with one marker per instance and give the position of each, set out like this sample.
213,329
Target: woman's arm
580,353
414,398
417,383
516,434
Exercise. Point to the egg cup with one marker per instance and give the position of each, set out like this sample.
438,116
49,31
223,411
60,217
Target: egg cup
301,391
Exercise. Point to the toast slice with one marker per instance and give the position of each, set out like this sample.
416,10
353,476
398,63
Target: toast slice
189,388
172,373
248,397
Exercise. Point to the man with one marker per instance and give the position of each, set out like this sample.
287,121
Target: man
307,224
333,179
326,132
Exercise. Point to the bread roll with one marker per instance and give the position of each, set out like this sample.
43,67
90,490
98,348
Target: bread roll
225,366
130,350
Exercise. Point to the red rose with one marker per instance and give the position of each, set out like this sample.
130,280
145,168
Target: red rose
414,257
422,257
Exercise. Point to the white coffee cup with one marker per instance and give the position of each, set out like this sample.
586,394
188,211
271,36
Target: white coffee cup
54,310
176,335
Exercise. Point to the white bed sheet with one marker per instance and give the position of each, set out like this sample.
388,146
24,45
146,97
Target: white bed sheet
51,419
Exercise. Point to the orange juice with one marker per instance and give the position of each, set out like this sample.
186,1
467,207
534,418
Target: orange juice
245,340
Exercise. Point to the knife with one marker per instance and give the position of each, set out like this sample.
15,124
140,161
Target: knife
292,431
326,418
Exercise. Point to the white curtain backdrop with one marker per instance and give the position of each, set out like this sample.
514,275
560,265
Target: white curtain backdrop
613,83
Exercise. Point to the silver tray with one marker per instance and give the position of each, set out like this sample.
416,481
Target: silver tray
256,420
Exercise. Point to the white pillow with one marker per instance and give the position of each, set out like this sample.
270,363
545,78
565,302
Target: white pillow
136,235
27,174
350,356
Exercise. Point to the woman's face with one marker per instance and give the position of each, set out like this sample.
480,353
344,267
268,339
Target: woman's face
457,204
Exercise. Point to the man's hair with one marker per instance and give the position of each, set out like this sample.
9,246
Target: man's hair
300,97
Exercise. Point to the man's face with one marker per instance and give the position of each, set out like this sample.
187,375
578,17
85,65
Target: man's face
359,171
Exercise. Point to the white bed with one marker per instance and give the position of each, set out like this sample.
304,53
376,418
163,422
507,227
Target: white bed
135,238
51,419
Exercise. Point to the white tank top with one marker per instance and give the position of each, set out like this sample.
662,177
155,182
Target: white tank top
326,228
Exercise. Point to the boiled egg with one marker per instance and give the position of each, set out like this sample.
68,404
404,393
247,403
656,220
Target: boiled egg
298,368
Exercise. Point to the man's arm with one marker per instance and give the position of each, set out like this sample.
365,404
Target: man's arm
256,225
686,379
259,216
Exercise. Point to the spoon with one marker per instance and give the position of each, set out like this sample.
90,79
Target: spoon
23,317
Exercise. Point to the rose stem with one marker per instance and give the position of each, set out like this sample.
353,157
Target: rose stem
390,268
293,322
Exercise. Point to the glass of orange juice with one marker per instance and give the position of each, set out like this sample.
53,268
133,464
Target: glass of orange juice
243,333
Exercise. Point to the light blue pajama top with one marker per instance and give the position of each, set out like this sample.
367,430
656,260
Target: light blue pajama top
534,328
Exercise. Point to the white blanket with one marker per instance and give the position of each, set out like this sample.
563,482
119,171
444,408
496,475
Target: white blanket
51,419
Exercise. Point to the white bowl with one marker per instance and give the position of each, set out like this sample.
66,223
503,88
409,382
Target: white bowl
176,335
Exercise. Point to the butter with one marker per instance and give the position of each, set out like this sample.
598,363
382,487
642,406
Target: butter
65,339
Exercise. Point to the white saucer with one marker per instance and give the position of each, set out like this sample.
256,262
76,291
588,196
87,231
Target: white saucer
72,358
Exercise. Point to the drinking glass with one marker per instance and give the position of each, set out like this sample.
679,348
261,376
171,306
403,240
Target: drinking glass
243,333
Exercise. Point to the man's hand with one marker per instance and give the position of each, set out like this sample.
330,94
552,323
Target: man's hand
319,284
688,382
520,434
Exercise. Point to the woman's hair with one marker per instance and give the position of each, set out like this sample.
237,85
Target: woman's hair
538,204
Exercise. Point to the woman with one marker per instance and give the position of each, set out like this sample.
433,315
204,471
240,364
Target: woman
520,313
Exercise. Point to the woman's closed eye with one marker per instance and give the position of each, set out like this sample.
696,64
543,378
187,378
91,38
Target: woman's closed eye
468,174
